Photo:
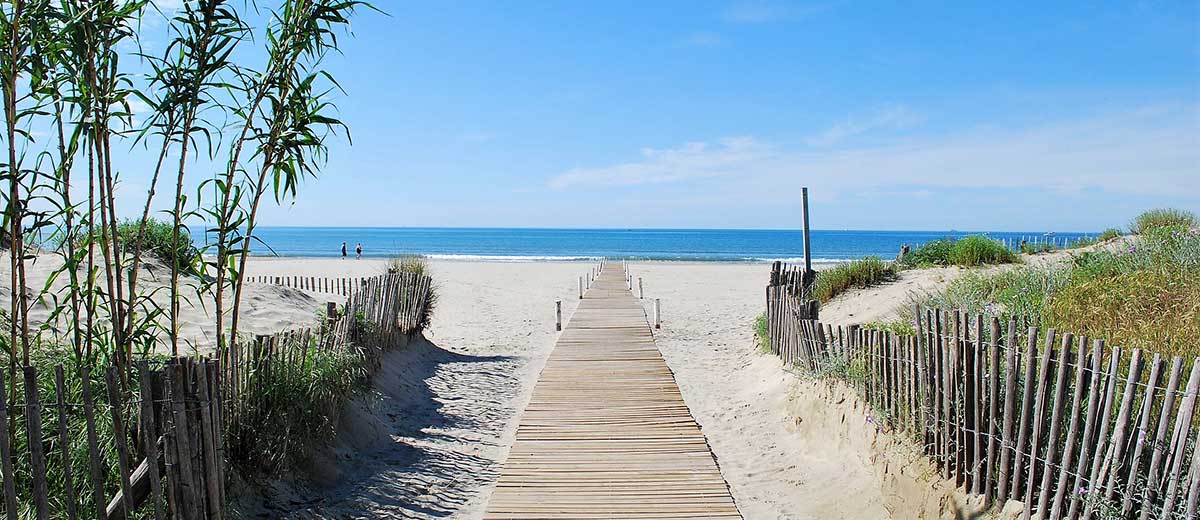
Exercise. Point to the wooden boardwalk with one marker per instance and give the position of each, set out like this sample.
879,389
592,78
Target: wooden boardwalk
606,434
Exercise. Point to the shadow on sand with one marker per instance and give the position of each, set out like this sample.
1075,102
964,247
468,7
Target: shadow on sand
423,442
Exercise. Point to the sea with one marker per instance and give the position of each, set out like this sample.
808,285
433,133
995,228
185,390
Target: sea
530,244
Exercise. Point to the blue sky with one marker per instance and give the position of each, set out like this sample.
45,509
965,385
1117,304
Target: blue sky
966,115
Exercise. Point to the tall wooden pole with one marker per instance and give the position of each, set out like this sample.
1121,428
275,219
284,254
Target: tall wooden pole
807,246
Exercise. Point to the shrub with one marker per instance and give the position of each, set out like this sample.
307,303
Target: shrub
980,250
159,241
296,407
1109,234
761,334
968,251
857,274
1146,296
1037,248
419,266
929,254
1164,217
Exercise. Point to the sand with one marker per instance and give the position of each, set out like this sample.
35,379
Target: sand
266,309
429,438
429,441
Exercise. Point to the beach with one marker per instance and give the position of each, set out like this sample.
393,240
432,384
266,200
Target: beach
430,439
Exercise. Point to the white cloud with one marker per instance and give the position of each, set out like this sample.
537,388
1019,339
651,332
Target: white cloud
891,117
690,161
1151,151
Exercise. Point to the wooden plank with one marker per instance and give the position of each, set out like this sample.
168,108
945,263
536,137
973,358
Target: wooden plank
37,454
1039,415
1056,407
71,496
189,502
1142,435
1010,400
1060,490
1110,390
212,478
1183,423
1026,412
993,409
150,438
606,433
89,414
1089,428
119,437
1158,452
1112,463
10,490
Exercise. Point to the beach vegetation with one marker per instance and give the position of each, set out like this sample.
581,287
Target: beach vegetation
762,336
1146,295
418,265
969,251
862,273
297,407
162,241
78,91
1163,217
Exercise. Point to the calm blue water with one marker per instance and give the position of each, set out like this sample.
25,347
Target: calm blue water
579,244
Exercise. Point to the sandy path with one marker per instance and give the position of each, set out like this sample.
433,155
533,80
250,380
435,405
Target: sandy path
744,401
429,441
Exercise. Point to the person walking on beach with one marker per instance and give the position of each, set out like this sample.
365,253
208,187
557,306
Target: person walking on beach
358,250
343,250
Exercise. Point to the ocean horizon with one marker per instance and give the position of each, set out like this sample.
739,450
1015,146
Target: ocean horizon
559,244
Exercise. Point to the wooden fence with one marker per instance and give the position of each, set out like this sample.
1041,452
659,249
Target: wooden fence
153,444
1073,428
342,286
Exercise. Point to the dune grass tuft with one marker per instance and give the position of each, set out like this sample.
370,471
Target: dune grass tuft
1163,217
761,334
1143,296
417,265
862,273
968,251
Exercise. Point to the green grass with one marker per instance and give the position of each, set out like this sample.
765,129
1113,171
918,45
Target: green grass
900,327
1144,296
1109,234
159,242
1163,217
979,250
968,251
418,265
761,334
861,273
296,409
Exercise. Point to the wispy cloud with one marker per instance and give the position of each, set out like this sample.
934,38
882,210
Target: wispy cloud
691,161
888,118
1151,151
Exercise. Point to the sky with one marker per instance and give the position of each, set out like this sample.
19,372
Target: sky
916,115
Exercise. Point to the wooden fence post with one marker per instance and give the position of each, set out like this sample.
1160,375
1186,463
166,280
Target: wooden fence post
657,313
558,315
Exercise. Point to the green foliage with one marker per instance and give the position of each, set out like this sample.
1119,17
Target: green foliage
1163,217
980,250
761,334
968,251
415,264
1146,296
1109,234
1037,248
862,273
159,241
419,266
295,408
900,327
930,254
